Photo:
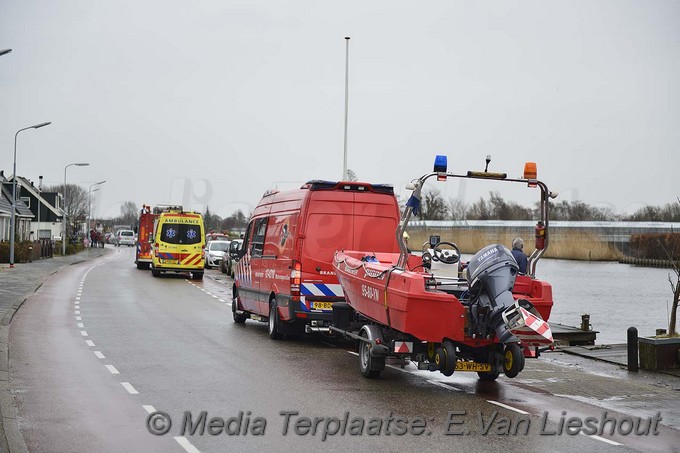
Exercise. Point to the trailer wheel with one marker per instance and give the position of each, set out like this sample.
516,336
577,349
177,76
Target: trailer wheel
238,318
513,360
445,358
274,321
370,366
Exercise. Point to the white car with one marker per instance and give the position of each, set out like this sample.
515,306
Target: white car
214,253
125,237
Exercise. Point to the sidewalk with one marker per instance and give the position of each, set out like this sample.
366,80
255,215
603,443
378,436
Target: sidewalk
16,285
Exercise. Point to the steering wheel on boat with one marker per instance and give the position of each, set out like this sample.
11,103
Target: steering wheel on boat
446,252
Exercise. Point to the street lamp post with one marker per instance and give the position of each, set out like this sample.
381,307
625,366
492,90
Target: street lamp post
14,192
63,220
89,202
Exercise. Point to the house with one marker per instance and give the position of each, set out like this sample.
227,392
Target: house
45,207
22,217
38,213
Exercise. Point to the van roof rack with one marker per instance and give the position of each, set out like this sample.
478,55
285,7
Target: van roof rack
318,184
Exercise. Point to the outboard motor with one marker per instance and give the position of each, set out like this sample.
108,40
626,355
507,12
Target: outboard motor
491,277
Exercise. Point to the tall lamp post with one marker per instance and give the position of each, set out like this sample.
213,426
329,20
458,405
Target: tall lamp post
63,220
14,192
89,202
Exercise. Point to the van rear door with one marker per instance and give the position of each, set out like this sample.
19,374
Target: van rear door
343,220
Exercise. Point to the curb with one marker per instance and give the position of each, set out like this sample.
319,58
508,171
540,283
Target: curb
11,439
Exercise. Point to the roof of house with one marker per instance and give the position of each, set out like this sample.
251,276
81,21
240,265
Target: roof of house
26,184
22,209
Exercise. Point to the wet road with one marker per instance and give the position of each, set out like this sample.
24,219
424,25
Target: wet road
101,345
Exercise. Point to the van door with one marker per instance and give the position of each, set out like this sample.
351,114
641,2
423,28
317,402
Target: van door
258,266
243,273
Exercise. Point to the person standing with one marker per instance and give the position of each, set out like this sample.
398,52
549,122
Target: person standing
518,254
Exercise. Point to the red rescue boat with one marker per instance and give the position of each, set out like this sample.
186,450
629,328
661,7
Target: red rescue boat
480,316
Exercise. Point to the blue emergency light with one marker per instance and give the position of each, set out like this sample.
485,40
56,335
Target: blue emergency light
440,164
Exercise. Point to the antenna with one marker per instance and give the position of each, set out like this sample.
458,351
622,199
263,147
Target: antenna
345,176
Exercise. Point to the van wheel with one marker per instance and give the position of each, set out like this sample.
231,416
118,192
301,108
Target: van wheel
155,272
274,321
197,275
238,318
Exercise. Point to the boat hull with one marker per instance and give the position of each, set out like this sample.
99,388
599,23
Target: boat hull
400,300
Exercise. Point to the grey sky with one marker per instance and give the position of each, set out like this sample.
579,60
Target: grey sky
217,101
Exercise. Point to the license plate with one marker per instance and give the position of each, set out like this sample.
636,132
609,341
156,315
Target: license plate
472,366
168,261
322,305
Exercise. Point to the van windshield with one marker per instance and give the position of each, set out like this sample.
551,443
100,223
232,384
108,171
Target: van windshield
177,233
327,233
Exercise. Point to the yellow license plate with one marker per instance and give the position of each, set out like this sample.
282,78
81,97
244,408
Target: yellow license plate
472,366
169,261
322,305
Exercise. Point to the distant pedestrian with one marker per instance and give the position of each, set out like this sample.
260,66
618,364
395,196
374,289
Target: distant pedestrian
518,254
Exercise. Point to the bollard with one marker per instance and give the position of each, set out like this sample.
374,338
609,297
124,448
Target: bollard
632,349
585,322
30,254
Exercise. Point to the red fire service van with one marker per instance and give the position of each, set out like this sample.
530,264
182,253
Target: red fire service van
285,275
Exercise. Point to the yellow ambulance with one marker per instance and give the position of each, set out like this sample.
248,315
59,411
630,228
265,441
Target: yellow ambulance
178,243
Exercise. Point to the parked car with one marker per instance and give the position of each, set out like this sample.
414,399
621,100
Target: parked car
212,236
125,237
231,258
214,252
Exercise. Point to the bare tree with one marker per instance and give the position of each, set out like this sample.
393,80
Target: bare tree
75,204
434,207
457,209
351,176
128,213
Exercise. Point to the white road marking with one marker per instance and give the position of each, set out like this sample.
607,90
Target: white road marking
221,300
444,385
78,298
201,289
99,355
81,325
354,353
90,343
131,390
77,312
83,333
507,407
215,296
149,409
79,318
595,436
112,369
184,442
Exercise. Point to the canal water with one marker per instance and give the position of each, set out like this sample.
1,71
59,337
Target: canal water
616,296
